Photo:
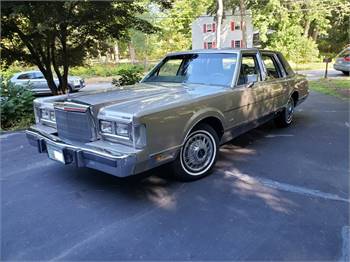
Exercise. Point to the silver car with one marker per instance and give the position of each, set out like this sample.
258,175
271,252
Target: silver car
181,112
342,62
36,81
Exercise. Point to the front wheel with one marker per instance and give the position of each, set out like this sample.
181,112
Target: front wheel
285,118
198,154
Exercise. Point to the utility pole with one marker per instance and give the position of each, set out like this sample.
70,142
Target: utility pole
219,15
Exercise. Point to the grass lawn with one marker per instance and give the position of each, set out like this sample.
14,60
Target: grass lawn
335,87
310,66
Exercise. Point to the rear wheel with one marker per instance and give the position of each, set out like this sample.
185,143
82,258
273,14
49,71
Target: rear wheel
198,154
346,73
285,118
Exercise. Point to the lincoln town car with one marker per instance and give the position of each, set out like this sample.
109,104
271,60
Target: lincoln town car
178,114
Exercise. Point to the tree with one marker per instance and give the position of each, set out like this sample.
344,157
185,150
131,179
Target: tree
175,25
55,35
338,35
231,5
219,14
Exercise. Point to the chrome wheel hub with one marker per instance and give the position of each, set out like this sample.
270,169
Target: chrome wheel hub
198,152
290,110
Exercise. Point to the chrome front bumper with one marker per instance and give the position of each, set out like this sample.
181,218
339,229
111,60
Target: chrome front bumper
114,163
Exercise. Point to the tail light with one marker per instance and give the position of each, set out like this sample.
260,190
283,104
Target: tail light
347,59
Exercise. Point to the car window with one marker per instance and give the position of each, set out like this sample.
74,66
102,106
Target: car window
345,53
170,68
272,68
203,68
38,75
250,71
26,76
285,65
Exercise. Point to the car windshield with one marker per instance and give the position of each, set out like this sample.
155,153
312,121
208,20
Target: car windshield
203,68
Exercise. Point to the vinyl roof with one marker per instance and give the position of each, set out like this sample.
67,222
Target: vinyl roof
213,51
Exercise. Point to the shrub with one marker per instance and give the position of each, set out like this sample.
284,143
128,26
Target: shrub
102,70
128,76
16,106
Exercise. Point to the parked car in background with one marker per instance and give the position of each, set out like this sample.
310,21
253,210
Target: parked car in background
187,106
36,81
342,62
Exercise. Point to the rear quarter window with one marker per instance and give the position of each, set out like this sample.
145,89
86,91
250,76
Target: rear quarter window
287,68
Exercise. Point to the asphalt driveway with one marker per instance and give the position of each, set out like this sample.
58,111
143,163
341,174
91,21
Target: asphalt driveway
319,73
276,194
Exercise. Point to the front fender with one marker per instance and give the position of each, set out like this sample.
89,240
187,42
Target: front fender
201,115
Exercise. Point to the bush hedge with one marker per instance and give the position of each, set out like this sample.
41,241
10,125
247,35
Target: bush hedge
102,70
128,76
16,106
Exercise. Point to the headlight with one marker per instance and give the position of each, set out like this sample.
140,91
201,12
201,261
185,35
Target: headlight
47,117
123,130
52,116
106,126
124,133
45,114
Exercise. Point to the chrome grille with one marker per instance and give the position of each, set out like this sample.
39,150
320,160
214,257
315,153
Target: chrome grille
76,126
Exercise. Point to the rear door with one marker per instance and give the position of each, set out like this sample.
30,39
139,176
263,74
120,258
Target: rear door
277,81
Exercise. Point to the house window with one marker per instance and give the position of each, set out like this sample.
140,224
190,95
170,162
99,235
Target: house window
209,28
236,44
209,45
236,26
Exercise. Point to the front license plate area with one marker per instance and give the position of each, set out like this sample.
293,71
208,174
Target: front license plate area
55,153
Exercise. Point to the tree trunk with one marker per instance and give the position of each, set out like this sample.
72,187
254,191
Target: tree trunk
131,52
54,61
242,10
307,28
116,53
219,15
63,39
315,34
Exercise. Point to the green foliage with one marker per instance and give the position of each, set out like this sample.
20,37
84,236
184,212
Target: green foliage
16,106
55,35
102,70
294,46
297,25
174,25
128,76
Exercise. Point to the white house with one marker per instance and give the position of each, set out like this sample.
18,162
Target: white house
204,32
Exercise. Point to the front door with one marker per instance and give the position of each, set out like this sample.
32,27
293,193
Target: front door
251,95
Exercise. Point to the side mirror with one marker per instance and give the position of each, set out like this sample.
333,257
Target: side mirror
250,85
251,79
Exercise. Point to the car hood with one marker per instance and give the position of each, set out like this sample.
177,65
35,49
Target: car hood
144,97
